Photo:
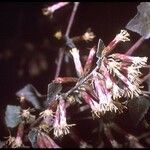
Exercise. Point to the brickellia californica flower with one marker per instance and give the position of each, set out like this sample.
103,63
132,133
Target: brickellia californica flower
104,87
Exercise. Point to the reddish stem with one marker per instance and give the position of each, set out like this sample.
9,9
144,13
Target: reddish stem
135,46
89,61
61,54
61,51
65,80
145,78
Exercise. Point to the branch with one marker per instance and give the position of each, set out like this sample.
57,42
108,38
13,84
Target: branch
135,46
61,50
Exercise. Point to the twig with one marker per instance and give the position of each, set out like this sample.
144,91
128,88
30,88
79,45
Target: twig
146,66
145,78
54,7
71,18
61,54
80,82
135,46
62,50
145,92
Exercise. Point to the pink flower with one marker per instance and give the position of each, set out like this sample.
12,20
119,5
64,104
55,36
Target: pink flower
60,124
104,94
89,61
92,103
77,62
136,61
122,36
129,75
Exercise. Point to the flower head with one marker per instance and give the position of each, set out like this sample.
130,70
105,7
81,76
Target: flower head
92,103
46,113
122,36
88,35
77,62
126,68
60,124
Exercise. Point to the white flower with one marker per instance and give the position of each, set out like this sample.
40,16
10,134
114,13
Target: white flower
46,113
117,92
122,36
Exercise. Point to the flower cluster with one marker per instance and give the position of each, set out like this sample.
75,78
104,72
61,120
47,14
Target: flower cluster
117,76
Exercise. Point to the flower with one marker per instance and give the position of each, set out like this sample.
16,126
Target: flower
46,113
122,36
88,35
104,94
89,60
77,62
136,61
29,118
117,92
126,68
92,103
60,124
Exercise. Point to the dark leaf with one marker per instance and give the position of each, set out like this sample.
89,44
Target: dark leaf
100,48
138,107
148,83
31,95
69,42
32,135
141,22
12,118
53,90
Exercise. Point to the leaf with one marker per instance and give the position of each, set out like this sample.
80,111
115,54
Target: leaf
100,47
138,107
141,22
31,95
12,118
53,90
32,136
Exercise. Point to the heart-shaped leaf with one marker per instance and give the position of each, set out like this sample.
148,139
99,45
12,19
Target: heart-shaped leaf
31,95
12,118
141,22
138,107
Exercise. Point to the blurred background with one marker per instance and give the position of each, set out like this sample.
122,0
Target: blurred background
28,48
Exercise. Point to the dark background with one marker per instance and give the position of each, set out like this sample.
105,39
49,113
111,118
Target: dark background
22,25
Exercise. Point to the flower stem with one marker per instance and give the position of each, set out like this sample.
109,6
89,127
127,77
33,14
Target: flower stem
135,46
62,50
